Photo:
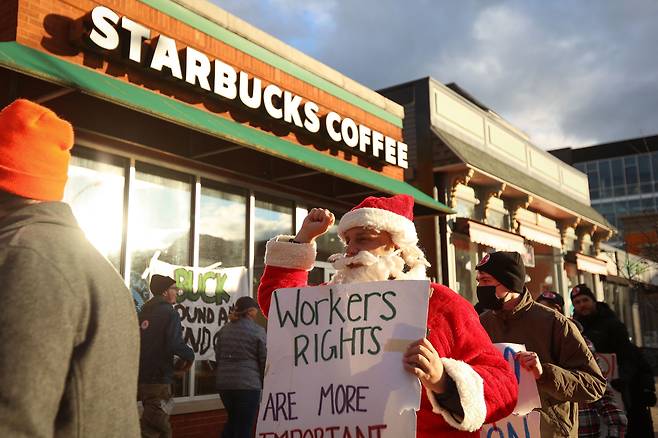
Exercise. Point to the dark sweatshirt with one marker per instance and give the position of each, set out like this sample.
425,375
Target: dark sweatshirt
161,340
68,332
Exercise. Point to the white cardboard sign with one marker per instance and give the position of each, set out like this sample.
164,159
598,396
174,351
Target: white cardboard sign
608,364
208,295
528,393
514,426
523,422
334,362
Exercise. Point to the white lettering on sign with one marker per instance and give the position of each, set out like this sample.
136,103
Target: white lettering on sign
196,69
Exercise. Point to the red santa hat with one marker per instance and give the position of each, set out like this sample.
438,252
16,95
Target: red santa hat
394,215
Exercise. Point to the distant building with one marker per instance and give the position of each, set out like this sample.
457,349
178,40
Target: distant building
508,194
623,178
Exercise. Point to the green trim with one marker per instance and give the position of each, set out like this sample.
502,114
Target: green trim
44,66
216,31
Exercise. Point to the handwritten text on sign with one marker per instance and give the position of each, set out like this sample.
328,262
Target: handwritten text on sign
523,422
334,364
514,426
208,295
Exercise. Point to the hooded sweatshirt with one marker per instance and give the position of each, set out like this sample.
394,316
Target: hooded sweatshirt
69,341
570,373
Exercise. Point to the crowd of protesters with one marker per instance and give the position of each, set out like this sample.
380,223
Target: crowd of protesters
75,358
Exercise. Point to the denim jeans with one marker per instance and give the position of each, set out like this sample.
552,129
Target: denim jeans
242,407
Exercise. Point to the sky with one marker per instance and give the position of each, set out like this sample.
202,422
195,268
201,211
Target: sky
568,73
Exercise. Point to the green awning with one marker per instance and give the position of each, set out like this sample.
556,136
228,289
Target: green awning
38,64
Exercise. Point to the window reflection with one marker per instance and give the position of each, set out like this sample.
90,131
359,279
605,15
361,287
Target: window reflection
159,221
222,238
222,231
329,244
272,217
95,193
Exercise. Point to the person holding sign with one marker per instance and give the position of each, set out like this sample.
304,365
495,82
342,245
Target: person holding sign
240,354
563,366
69,345
466,379
162,339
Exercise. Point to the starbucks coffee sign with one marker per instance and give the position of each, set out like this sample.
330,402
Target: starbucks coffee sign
126,38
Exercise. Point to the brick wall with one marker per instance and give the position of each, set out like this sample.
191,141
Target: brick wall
8,19
46,25
198,424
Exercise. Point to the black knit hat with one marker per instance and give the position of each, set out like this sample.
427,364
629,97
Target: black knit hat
582,289
506,267
552,297
160,283
245,303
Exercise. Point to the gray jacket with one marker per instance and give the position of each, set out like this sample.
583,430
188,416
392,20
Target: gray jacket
240,353
69,344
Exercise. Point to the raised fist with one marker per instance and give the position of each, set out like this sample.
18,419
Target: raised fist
315,224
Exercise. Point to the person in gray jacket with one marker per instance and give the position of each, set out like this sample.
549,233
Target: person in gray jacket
69,342
240,352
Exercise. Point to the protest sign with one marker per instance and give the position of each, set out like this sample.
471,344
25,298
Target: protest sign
334,362
608,364
528,394
514,426
523,422
208,295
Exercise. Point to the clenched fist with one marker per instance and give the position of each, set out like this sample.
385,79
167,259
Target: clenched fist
315,224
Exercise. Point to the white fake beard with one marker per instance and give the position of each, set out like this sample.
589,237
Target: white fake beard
374,268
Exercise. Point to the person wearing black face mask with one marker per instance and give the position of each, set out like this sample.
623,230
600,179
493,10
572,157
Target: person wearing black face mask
557,355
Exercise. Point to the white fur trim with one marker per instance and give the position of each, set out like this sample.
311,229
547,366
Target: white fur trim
284,254
471,394
403,231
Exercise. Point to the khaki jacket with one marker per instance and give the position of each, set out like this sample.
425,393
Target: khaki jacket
570,373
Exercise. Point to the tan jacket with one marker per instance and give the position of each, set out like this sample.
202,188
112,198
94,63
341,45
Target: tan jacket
570,373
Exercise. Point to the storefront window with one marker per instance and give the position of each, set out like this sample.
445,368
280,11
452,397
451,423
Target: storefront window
222,230
222,238
159,220
464,267
95,193
272,217
329,244
542,274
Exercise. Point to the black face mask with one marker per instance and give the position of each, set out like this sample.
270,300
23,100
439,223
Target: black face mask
488,299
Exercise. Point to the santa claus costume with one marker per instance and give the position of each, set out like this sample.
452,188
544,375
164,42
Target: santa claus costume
484,388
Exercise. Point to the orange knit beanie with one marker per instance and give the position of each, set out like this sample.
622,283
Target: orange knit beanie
34,151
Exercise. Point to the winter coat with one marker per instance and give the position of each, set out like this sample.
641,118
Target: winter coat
161,339
240,354
69,342
485,381
609,335
570,372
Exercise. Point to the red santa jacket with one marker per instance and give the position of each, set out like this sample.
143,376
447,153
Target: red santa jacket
486,383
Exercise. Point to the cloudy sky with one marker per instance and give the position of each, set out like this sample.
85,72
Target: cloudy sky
569,73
